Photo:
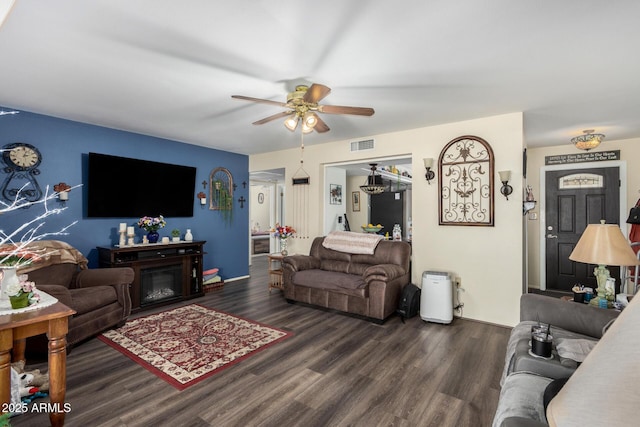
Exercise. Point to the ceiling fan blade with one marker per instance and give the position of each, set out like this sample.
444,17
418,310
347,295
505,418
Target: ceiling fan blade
274,117
321,126
262,101
315,93
339,109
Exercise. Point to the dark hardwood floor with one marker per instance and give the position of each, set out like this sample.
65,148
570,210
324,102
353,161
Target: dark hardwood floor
335,371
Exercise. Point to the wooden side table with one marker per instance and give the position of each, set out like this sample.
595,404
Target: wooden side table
15,328
274,265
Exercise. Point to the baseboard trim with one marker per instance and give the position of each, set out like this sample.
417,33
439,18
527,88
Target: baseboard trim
233,279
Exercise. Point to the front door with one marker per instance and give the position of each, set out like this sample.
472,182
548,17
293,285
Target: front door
575,198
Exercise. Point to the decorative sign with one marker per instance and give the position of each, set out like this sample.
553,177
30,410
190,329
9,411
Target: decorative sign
597,156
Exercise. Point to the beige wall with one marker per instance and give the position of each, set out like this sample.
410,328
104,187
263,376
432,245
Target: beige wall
357,219
487,260
629,155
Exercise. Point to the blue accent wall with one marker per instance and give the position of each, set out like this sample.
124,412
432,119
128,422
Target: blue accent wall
64,146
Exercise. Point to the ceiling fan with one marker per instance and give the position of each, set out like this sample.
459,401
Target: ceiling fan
302,107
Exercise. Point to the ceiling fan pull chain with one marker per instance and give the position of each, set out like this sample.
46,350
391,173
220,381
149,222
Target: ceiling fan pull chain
301,180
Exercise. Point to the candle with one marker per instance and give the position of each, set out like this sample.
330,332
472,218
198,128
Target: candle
123,227
130,231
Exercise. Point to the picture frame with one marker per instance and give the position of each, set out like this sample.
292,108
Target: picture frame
261,198
335,194
355,201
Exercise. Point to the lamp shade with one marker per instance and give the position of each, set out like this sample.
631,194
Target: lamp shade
603,244
291,123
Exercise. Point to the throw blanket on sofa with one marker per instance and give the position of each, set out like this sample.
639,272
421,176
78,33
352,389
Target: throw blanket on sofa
350,242
54,252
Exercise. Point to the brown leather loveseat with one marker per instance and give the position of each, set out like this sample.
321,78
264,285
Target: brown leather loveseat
361,284
99,296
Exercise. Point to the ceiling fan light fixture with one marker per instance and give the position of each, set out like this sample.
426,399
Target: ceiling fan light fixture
302,106
310,119
588,141
291,122
305,128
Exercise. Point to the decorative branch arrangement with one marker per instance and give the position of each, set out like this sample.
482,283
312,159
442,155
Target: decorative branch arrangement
32,230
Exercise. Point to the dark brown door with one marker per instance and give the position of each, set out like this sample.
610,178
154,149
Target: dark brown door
575,198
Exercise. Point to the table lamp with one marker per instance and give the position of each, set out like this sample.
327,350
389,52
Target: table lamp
603,244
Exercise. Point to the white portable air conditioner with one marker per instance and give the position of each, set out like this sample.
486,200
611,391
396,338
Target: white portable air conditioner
436,297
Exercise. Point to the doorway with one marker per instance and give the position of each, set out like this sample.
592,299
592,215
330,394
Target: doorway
396,174
266,208
574,196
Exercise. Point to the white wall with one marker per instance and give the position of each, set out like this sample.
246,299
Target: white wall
260,212
335,176
488,260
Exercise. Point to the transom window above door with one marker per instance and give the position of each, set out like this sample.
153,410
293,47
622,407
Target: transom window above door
580,180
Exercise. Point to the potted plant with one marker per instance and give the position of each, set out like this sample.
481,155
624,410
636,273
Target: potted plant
223,200
175,235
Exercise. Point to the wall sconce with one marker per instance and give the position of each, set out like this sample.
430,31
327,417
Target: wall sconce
203,198
506,188
63,191
429,175
529,201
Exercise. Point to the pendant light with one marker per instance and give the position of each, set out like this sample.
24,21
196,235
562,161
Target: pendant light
371,186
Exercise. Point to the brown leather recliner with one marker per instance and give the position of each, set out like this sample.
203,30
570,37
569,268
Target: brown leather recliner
99,296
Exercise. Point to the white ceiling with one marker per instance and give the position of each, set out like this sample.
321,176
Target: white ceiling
168,68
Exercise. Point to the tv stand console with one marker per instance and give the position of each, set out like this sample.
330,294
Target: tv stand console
164,273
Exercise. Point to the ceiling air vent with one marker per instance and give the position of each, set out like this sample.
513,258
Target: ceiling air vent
367,144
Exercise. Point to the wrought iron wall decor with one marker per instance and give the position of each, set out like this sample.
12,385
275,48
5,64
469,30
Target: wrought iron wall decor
220,190
466,182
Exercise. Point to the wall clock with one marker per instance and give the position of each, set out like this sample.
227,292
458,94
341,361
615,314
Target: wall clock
21,166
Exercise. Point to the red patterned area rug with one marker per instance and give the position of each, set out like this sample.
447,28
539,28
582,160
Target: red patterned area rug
188,344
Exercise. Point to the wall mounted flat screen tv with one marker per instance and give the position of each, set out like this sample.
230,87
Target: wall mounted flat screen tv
120,187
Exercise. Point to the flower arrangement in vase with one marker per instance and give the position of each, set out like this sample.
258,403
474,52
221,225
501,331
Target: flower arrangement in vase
151,225
14,256
23,293
283,232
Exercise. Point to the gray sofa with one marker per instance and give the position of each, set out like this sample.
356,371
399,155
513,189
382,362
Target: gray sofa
360,284
601,390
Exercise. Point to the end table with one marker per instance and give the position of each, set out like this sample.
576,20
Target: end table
15,328
274,265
